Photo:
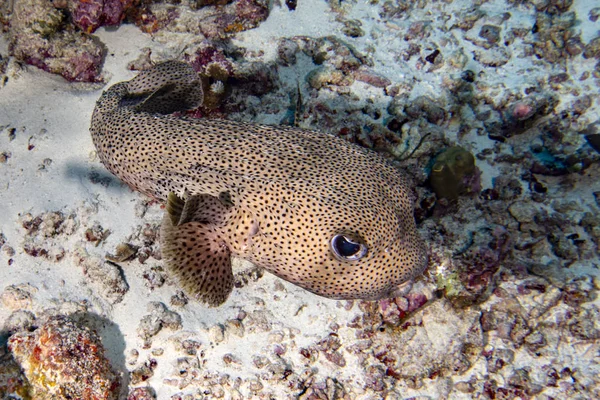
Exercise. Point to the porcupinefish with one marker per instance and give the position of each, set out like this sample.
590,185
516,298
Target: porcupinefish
313,209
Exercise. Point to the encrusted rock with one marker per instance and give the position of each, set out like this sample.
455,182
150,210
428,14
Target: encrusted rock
524,211
39,36
323,76
64,360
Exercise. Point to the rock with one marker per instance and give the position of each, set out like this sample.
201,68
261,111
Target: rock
64,360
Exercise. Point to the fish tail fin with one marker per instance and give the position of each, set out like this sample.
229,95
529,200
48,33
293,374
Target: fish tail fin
165,88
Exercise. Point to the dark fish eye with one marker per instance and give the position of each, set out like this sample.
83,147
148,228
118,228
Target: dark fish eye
347,248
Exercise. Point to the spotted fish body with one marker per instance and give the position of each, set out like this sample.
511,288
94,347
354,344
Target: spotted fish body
313,209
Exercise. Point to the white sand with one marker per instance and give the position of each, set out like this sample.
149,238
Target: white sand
54,116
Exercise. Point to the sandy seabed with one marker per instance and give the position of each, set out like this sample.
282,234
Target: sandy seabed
508,307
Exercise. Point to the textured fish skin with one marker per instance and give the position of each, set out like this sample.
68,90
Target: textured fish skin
288,192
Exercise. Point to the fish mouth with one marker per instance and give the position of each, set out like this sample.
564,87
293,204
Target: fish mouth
399,290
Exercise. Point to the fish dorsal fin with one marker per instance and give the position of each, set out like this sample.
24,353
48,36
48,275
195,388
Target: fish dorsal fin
202,208
198,259
174,208
167,87
172,97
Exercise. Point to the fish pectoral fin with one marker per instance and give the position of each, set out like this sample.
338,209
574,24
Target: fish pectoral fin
197,258
197,208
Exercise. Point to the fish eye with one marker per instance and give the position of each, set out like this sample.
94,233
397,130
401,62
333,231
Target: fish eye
347,248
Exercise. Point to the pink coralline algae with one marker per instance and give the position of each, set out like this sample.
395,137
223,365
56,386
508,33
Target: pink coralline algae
211,62
64,360
394,311
40,36
89,15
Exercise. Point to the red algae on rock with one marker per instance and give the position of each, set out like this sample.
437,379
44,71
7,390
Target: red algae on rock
38,36
64,360
89,15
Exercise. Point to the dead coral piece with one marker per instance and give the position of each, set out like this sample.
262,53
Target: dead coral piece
96,234
154,277
453,342
43,231
323,77
494,57
18,297
143,372
124,252
159,317
427,108
352,28
211,62
212,21
330,347
372,78
394,311
39,37
49,224
106,276
64,360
